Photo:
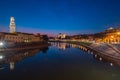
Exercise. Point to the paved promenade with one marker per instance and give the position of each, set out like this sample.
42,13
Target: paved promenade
106,49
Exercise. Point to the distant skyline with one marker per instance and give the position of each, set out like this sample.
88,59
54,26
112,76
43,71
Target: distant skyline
60,16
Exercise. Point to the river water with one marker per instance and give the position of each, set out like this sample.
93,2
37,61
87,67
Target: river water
60,61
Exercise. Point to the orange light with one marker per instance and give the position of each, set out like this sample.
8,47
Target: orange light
118,33
112,36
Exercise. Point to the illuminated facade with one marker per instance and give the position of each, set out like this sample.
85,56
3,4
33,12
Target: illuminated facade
112,35
61,36
20,37
12,25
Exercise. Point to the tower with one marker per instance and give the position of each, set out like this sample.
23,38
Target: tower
12,25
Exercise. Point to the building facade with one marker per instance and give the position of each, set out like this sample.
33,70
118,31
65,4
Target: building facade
20,37
61,36
112,36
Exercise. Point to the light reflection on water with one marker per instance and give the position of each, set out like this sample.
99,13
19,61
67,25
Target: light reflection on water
61,61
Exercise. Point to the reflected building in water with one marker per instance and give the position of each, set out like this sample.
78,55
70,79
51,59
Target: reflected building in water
13,57
64,46
96,56
12,65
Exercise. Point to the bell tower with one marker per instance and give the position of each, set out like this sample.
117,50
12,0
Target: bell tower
12,25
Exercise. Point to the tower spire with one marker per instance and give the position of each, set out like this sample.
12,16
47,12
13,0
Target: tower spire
12,25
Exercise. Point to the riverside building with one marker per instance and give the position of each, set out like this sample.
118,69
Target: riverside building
112,35
18,37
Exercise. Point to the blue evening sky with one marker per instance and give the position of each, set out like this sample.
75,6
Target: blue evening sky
60,16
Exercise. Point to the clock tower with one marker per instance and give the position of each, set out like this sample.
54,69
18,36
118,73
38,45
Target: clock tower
12,25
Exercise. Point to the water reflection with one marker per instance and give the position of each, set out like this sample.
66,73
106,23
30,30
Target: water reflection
13,57
96,56
77,63
64,46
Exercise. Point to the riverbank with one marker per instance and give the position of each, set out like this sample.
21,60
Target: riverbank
104,50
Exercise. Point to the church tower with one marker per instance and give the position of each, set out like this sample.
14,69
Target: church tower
12,25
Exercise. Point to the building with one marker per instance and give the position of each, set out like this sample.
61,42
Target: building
19,37
12,25
112,35
61,36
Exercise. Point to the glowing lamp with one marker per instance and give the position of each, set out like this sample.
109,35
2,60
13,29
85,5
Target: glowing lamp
1,57
1,44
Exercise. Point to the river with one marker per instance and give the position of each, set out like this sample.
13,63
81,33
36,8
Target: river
59,61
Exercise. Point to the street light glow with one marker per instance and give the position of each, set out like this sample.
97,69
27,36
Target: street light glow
1,57
1,44
118,33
